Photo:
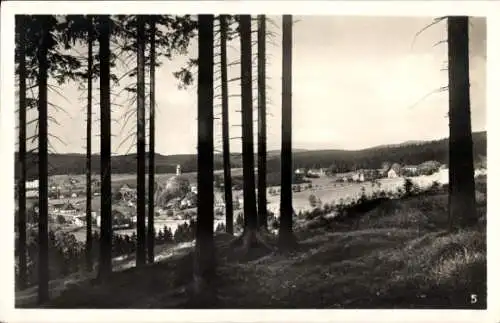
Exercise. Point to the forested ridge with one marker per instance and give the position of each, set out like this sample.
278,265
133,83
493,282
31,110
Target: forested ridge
342,160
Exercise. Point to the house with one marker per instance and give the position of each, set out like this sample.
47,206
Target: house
32,185
313,173
68,208
79,221
127,192
359,176
366,175
173,203
74,195
410,169
370,174
394,171
194,189
57,207
300,171
189,200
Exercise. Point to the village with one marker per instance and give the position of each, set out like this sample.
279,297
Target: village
175,200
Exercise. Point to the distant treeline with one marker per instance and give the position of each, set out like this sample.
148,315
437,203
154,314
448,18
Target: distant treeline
335,160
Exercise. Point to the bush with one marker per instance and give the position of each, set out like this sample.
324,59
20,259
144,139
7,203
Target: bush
240,220
220,227
60,219
313,200
170,213
363,196
275,223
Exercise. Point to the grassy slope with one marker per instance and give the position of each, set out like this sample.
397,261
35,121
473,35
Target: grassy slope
396,256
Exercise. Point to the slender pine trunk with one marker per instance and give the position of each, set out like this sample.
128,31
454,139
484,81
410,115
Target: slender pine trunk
22,153
226,155
462,209
88,218
204,266
286,237
43,249
104,83
249,196
141,144
151,180
262,138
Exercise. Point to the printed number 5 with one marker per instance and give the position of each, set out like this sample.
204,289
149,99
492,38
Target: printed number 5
473,298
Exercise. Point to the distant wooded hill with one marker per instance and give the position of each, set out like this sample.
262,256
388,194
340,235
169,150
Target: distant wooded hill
338,160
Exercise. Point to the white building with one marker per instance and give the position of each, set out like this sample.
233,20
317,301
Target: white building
392,173
359,176
32,185
300,171
79,221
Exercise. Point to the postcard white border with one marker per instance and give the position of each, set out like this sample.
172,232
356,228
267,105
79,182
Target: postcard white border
490,9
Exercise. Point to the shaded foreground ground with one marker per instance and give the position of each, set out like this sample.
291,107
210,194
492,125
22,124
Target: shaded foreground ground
398,255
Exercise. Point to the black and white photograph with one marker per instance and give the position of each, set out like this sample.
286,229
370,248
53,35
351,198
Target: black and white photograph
238,157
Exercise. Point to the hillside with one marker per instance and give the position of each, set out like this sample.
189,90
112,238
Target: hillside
340,160
398,255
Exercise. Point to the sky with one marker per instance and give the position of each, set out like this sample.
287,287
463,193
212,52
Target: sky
356,82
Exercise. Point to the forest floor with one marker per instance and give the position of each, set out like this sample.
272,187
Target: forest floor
398,255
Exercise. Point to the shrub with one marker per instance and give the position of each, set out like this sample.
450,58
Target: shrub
240,220
220,227
274,223
363,196
60,219
170,213
314,201
410,188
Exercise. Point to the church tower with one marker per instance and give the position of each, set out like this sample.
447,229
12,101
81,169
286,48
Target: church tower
178,171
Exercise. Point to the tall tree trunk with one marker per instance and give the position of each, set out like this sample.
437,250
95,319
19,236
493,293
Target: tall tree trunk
141,144
204,266
250,238
104,84
22,152
43,251
88,218
262,148
151,180
249,196
226,155
286,237
462,209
